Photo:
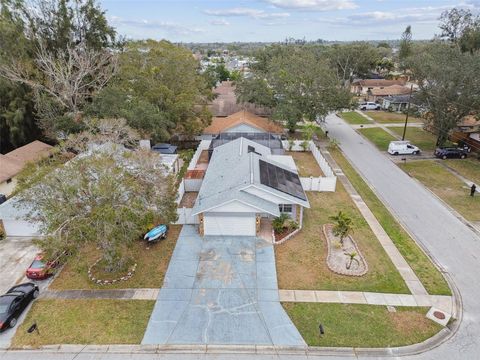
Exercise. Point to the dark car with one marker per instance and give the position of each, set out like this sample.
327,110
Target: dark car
450,153
40,269
14,302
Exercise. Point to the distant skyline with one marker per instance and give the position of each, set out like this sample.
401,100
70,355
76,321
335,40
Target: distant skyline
275,20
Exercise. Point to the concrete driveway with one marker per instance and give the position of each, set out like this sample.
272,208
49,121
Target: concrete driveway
220,290
16,254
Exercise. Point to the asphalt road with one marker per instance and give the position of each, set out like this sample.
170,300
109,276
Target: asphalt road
450,242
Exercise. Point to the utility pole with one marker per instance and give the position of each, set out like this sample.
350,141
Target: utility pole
408,111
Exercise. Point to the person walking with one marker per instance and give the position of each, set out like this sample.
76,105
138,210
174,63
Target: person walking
472,190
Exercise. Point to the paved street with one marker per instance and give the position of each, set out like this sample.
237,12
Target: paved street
220,290
449,241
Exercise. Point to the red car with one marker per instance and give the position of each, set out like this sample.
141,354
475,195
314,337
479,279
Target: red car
39,269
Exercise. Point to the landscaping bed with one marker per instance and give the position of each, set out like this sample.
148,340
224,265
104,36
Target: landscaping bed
417,136
301,262
365,326
152,262
447,186
354,118
428,274
385,117
306,164
378,136
85,322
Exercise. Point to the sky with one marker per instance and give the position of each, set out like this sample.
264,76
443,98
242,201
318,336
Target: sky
276,20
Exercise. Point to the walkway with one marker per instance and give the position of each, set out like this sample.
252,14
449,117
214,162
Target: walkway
413,282
220,290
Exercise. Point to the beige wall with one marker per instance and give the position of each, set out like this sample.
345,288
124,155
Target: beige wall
7,189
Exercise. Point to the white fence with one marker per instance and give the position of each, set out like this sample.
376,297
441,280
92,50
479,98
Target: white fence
204,145
193,184
328,182
185,216
180,191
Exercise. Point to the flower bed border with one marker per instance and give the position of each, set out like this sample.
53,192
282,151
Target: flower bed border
110,282
344,272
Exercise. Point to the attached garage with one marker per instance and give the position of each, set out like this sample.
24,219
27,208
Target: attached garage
14,220
231,224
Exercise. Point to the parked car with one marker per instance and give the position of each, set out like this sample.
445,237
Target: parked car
402,148
14,302
369,106
157,233
40,269
451,153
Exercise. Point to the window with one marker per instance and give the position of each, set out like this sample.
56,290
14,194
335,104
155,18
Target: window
285,208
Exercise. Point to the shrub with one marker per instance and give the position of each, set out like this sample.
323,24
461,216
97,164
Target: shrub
278,223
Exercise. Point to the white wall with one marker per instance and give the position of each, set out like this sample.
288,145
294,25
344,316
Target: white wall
328,182
193,184
204,145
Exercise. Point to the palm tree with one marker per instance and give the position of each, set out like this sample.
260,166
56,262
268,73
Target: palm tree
343,225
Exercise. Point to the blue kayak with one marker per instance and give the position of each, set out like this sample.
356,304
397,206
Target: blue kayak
159,232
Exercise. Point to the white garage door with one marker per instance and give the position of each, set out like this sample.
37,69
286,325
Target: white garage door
231,224
20,228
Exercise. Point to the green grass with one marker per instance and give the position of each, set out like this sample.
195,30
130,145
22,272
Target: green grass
360,325
468,168
85,322
417,136
354,118
428,274
385,117
152,262
378,136
446,186
301,262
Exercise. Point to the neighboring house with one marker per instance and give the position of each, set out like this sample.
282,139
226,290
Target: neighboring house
14,217
397,103
12,163
378,94
468,131
361,87
241,122
244,183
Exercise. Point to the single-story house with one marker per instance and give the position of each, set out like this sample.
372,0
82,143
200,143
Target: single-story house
468,131
241,122
244,183
397,102
378,94
12,163
14,217
361,87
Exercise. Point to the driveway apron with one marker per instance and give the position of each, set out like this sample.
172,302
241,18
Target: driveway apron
220,290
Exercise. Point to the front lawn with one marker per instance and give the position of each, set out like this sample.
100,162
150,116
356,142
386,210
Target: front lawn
469,168
417,136
354,118
301,261
365,326
446,186
378,136
385,117
428,274
85,322
152,265
306,164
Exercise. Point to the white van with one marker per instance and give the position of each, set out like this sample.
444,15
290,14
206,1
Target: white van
402,148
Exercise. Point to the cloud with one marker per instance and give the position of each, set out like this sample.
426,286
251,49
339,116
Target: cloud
253,13
170,27
220,22
314,5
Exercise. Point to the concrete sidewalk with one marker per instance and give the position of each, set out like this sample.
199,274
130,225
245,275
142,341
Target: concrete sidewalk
413,282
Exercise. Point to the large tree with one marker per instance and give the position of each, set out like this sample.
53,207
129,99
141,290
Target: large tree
449,85
158,89
106,196
64,56
297,82
462,28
